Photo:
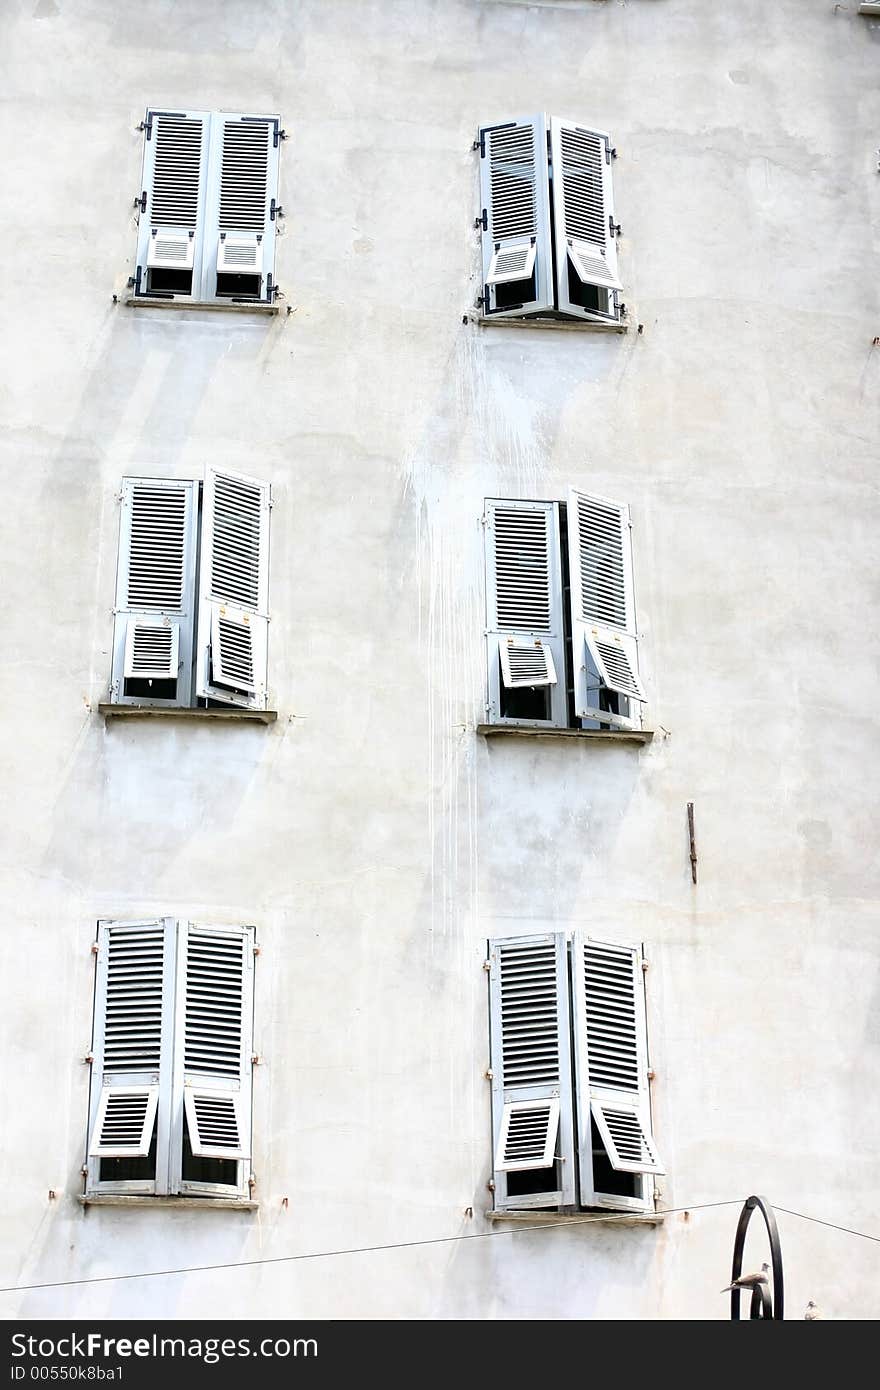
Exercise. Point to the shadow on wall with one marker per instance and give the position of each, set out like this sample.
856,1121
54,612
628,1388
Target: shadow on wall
558,1273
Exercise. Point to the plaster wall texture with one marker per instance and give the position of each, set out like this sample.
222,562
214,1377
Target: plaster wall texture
370,834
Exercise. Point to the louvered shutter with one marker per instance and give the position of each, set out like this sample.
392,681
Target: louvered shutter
524,617
531,1069
239,243
603,619
155,593
611,1058
172,218
214,1039
131,1047
515,217
234,589
583,214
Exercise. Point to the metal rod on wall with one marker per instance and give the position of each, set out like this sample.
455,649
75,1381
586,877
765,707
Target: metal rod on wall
693,841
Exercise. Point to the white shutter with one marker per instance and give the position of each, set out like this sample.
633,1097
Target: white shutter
603,619
531,1068
515,217
239,243
234,589
583,213
125,1122
176,151
131,1046
524,617
611,1058
528,1135
214,1040
526,663
155,592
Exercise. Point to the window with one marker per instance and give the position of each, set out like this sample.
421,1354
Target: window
208,207
547,221
191,616
170,1102
566,1133
562,644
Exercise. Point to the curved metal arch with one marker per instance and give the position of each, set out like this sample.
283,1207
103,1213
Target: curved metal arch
763,1305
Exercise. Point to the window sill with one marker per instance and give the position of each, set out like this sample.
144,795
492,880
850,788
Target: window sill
872,9
107,1199
594,735
144,301
561,325
579,1218
254,716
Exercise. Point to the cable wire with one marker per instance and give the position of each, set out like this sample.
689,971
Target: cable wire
412,1244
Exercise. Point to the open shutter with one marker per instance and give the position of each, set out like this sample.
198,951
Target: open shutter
155,593
131,1048
176,150
243,208
524,618
214,1042
515,217
583,214
611,1058
531,1070
603,620
234,597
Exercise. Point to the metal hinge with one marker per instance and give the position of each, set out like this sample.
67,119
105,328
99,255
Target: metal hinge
140,200
610,151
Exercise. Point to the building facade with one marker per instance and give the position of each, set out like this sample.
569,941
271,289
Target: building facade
328,517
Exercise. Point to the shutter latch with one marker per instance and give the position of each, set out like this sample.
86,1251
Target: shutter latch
613,227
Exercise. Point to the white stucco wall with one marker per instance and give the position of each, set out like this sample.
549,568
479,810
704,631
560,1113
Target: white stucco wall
372,837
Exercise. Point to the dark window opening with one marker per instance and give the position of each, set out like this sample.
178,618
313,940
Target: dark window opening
238,286
605,1178
513,293
161,280
589,297
199,1169
525,702
130,1169
526,1181
141,688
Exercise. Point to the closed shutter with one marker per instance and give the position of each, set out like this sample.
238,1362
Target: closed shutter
239,248
515,217
172,218
214,1041
234,589
603,619
131,1047
531,1070
155,593
611,1058
524,617
583,214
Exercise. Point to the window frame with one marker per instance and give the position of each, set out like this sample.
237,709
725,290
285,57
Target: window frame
206,234
551,300
572,679
195,687
170,1078
574,1093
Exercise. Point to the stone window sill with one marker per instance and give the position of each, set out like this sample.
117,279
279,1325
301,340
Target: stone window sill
578,1218
254,716
870,9
593,735
145,301
108,1199
560,325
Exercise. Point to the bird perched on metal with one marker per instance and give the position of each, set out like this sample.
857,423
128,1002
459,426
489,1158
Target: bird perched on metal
750,1281
812,1314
